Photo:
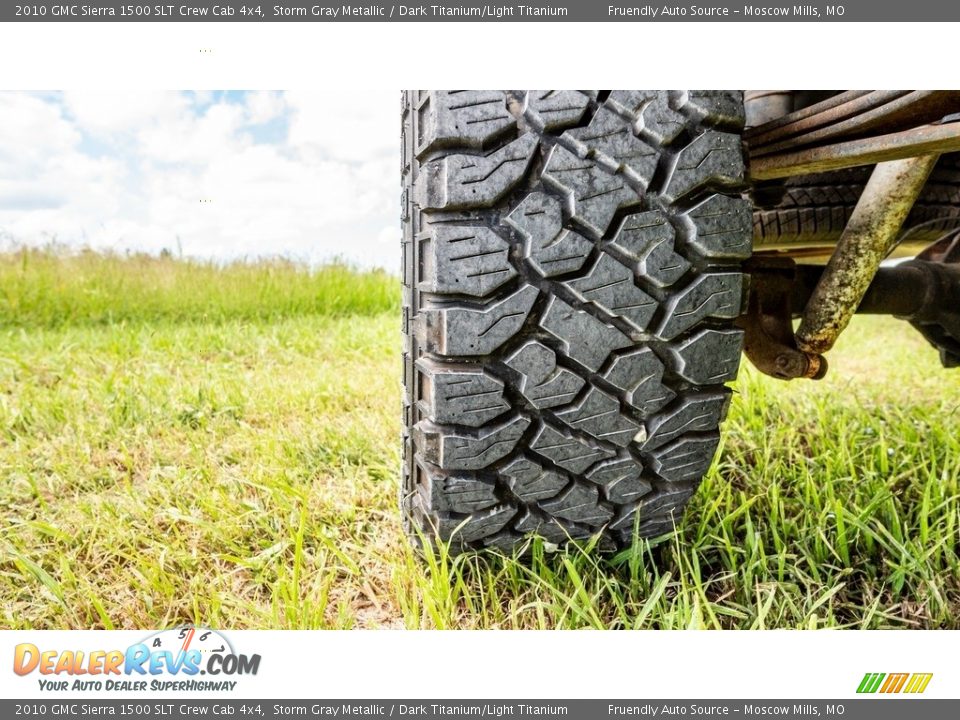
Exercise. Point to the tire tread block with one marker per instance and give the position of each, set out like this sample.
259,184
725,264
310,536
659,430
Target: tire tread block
598,414
579,503
461,331
609,285
530,482
694,413
656,513
461,395
542,381
460,494
552,110
462,182
610,140
532,523
709,357
549,248
454,450
466,260
723,108
567,451
714,158
647,238
684,459
594,194
477,526
585,338
464,118
722,228
651,112
640,375
621,480
715,295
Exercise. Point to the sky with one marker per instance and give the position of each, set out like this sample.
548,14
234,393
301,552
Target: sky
308,175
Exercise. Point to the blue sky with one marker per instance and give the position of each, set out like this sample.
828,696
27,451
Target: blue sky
310,175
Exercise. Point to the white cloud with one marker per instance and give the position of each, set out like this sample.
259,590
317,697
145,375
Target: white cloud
146,171
263,106
104,114
34,134
194,139
346,125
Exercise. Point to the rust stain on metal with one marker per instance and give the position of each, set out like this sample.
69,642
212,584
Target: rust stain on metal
867,239
914,109
768,339
881,149
828,112
759,134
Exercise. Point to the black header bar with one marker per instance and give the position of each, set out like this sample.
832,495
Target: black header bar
474,11
153,708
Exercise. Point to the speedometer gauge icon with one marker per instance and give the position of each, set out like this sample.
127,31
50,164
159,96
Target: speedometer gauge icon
188,637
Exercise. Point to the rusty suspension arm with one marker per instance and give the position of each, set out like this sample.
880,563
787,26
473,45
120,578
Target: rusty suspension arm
870,235
871,232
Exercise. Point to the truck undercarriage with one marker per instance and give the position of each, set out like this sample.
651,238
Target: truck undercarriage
903,134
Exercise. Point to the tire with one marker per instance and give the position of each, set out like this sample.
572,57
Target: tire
814,209
571,278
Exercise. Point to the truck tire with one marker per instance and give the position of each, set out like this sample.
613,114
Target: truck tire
814,209
571,264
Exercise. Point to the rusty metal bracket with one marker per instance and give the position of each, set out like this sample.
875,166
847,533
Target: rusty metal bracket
925,292
871,114
832,110
853,153
768,339
869,236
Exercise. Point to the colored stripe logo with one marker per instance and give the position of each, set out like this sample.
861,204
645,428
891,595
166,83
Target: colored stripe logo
913,683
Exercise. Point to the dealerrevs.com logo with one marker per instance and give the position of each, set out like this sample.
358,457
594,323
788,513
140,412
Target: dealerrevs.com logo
892,683
169,660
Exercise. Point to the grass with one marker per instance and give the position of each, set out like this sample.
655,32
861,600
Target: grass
172,453
49,289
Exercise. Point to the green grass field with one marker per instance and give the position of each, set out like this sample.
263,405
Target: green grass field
186,443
